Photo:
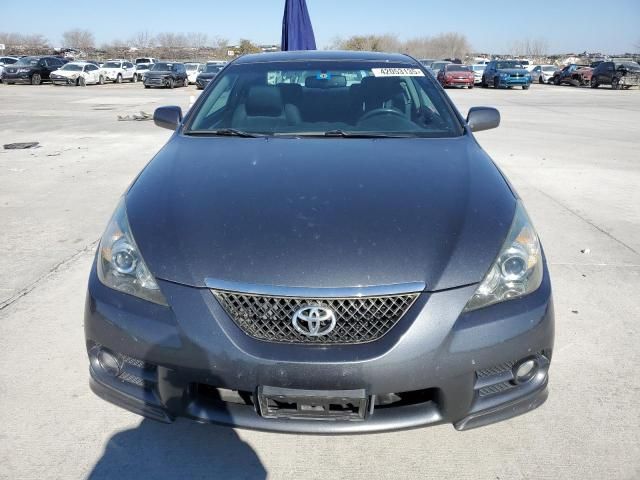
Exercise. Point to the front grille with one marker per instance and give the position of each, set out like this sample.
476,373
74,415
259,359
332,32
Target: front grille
358,319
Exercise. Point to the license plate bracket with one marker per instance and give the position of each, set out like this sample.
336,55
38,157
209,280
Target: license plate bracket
294,404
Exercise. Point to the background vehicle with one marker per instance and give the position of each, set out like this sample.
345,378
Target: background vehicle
33,70
570,74
117,71
617,74
145,60
141,71
543,73
166,74
210,72
193,70
427,61
79,74
436,66
506,73
454,75
478,70
6,61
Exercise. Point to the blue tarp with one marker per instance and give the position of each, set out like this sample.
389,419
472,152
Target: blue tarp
297,32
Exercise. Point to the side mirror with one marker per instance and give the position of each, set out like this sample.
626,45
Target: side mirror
168,117
483,118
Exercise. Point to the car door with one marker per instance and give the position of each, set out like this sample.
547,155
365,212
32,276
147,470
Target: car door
607,73
91,73
128,70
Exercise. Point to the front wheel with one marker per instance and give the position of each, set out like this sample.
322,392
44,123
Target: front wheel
118,79
186,82
36,79
525,87
101,80
615,83
82,82
496,82
594,82
134,79
170,83
147,86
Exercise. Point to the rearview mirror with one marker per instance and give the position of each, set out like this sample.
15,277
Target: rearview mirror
483,118
168,117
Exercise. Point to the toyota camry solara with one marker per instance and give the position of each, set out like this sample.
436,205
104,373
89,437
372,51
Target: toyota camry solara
322,246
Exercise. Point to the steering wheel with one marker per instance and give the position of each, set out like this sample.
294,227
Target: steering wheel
382,111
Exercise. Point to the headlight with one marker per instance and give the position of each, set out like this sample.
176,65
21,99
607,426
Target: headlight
518,269
24,70
120,265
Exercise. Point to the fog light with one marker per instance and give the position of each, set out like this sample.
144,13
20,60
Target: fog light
109,362
525,370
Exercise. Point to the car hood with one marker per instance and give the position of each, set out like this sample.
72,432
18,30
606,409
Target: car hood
66,73
158,73
512,71
320,212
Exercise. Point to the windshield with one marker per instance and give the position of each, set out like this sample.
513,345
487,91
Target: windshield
191,66
27,61
548,68
629,65
457,68
162,67
438,65
213,69
143,60
72,67
508,64
320,98
112,65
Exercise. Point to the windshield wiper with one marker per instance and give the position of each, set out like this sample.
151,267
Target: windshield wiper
224,132
345,134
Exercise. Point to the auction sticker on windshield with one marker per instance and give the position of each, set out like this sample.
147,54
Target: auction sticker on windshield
397,72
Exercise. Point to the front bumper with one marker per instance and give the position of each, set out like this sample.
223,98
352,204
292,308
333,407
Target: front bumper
191,360
16,77
156,81
63,80
458,82
514,81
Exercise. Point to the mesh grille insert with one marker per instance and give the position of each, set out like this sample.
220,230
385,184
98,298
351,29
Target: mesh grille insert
359,319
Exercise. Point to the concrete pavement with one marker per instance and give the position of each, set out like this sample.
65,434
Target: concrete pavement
571,153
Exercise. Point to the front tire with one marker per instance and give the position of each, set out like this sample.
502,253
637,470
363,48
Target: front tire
594,82
525,87
101,80
615,83
170,83
147,86
36,79
134,79
496,82
118,79
186,82
82,82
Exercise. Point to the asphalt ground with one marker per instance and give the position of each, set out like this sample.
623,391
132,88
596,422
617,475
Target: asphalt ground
573,154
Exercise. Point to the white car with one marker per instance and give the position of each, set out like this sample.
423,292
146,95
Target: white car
478,70
117,71
543,73
193,70
78,74
6,61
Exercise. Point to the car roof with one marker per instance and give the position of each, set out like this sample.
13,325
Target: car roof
324,55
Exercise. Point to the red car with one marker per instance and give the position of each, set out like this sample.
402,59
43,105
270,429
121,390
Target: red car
453,75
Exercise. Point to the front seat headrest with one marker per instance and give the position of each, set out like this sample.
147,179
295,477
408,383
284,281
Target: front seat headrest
264,101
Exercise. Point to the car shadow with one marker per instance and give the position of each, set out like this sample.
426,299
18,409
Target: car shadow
183,449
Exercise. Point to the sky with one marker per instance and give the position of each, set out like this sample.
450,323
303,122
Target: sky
567,25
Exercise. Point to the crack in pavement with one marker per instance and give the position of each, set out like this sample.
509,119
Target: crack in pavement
55,269
575,213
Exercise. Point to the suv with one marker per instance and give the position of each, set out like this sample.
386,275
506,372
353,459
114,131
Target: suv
506,73
166,74
617,74
119,70
33,70
6,61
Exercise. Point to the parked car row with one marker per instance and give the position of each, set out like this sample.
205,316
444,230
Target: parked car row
35,70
